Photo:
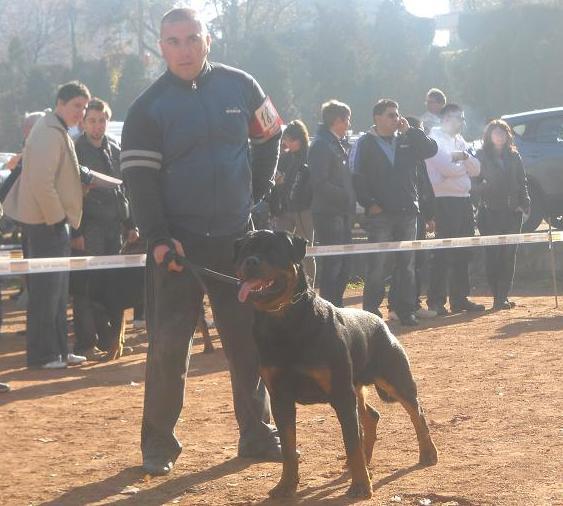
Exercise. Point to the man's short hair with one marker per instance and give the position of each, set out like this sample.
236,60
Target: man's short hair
72,90
97,104
437,95
449,109
178,14
382,105
333,110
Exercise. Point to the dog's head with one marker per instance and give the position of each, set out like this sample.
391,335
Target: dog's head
269,267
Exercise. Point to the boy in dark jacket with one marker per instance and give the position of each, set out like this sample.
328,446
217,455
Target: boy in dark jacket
333,197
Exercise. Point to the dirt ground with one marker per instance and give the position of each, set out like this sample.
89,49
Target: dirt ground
490,385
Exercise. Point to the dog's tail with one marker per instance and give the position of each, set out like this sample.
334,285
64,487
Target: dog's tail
384,396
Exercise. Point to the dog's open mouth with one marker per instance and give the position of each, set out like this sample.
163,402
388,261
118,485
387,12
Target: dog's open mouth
257,288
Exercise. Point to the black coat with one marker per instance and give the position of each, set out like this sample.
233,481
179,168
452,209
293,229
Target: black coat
101,204
295,194
333,192
393,187
501,185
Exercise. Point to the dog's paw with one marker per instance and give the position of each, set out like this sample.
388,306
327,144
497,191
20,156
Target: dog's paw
359,490
284,488
429,457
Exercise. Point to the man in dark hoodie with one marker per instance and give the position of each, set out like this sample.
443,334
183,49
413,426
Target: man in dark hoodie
333,197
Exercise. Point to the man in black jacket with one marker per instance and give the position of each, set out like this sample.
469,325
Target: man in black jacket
384,163
333,197
193,178
104,212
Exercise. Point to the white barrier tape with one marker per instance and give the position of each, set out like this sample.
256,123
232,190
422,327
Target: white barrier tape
11,266
429,244
42,265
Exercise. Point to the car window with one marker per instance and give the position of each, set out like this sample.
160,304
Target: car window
550,130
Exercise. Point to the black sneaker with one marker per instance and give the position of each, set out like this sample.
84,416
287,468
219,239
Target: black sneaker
440,310
409,320
500,304
466,305
4,388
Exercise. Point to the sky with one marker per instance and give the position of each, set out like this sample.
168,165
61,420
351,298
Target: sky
427,8
423,8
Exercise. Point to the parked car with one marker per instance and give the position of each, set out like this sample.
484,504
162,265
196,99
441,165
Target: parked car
539,138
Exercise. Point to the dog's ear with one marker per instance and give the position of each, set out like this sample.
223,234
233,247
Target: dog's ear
297,244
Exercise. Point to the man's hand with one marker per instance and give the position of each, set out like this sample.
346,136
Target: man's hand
374,209
78,243
12,162
133,235
459,156
430,226
403,125
160,251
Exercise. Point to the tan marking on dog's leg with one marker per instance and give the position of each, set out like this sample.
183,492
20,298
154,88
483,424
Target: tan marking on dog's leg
428,454
204,330
289,480
284,413
361,482
368,421
116,350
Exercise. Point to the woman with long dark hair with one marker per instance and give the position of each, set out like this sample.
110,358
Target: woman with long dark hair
293,193
503,199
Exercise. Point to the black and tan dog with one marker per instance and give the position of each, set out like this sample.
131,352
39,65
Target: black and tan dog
112,292
311,352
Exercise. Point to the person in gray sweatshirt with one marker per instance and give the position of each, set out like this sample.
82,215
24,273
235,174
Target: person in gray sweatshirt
450,172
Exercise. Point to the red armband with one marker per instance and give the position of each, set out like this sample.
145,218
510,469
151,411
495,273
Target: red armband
266,122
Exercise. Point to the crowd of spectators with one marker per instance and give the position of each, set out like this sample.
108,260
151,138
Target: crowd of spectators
412,177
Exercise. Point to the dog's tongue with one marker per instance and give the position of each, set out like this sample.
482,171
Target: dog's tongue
247,287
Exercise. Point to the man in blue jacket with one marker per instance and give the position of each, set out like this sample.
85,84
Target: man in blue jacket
385,161
186,160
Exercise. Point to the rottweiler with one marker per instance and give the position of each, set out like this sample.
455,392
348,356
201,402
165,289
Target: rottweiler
111,292
313,352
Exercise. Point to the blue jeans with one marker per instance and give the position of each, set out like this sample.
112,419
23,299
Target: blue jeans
47,333
385,227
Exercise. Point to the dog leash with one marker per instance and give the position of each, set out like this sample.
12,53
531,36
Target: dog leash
198,270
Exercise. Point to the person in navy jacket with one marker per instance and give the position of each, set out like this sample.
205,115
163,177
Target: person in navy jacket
193,178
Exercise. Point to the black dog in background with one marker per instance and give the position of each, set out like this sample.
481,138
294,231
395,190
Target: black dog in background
313,352
112,291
